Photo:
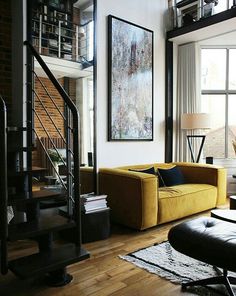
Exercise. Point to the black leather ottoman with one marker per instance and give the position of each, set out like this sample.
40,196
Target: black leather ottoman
209,240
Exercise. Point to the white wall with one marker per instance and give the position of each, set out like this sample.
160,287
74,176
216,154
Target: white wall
149,14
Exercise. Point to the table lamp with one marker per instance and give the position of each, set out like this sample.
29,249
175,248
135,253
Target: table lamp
195,121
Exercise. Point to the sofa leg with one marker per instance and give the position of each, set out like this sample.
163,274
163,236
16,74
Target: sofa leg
224,279
228,287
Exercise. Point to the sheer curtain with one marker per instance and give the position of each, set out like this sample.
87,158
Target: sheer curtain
188,93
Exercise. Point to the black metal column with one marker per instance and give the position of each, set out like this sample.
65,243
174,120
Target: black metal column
169,102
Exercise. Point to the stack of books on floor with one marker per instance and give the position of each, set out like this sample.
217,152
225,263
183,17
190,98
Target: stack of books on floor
91,203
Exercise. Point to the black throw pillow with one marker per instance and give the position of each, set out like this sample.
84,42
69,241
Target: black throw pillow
161,181
151,171
147,171
171,176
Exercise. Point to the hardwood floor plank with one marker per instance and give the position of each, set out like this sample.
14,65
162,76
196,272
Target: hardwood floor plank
104,273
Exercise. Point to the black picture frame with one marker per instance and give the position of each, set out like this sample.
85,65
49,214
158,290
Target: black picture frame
130,81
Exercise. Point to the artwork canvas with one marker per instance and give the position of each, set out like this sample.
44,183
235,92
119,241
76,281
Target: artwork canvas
130,74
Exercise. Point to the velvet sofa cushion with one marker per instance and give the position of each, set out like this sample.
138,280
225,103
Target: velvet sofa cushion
179,201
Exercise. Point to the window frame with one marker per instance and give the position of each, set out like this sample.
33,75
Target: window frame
226,92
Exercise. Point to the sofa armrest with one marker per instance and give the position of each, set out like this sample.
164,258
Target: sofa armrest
206,174
132,197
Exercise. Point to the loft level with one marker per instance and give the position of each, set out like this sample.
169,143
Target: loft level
60,37
186,12
204,28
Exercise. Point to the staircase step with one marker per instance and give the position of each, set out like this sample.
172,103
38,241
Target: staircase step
38,169
37,196
47,222
16,129
45,194
41,263
12,149
25,171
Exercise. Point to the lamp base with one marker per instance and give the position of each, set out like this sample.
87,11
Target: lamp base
203,137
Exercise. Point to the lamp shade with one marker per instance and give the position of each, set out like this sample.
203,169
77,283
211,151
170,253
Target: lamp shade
191,121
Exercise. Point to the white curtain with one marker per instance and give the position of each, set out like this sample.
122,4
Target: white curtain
188,93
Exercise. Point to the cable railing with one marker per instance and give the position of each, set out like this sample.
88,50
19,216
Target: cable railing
71,137
51,121
67,41
185,12
48,94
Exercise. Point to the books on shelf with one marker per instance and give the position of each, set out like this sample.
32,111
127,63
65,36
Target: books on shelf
93,203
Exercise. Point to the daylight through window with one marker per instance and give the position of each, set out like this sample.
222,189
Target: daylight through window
218,75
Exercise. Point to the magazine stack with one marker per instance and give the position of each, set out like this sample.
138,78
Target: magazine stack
91,203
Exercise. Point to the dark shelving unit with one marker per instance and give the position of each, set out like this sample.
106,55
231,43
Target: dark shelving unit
54,15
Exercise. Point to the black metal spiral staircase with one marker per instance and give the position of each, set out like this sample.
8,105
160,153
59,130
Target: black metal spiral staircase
16,192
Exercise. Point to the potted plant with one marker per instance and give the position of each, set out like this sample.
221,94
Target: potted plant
55,157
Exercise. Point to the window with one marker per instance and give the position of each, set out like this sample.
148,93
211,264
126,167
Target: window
220,6
218,98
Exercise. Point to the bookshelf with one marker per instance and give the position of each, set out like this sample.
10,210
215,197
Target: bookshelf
53,28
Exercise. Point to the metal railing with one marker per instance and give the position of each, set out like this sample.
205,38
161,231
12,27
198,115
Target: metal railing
68,41
186,12
71,139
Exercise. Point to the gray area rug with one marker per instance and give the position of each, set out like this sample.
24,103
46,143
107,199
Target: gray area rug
166,262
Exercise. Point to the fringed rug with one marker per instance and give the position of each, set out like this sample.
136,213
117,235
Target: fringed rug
166,262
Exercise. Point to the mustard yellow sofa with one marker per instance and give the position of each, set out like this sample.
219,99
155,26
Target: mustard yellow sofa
137,201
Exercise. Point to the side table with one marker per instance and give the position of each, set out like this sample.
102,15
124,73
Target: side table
226,215
232,202
94,225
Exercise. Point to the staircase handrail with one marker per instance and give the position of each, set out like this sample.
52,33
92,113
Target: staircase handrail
75,118
3,187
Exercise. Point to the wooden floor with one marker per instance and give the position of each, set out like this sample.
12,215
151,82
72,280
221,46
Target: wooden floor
104,273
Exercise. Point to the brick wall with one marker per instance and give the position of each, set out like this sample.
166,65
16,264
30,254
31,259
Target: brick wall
51,109
72,89
5,53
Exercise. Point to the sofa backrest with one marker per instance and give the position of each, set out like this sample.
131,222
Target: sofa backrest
146,166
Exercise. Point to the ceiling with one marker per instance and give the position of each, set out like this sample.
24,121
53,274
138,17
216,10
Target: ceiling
227,39
84,5
63,69
220,31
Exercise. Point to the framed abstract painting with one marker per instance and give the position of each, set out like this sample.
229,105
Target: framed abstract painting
130,81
